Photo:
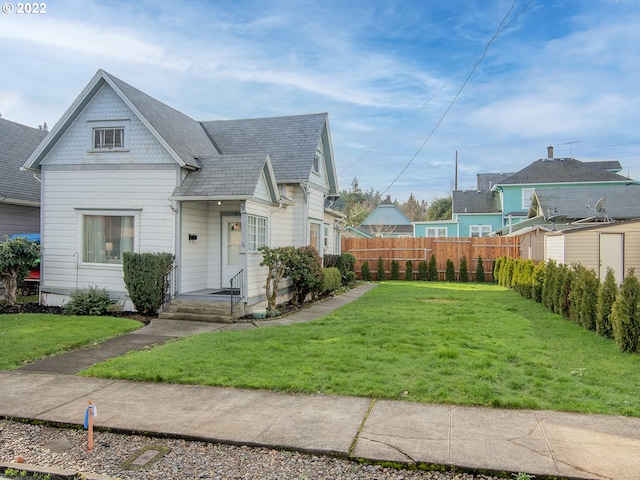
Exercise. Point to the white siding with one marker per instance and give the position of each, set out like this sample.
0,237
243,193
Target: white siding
68,193
554,248
193,270
18,219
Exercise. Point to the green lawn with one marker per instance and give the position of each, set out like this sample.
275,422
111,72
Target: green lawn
464,344
27,337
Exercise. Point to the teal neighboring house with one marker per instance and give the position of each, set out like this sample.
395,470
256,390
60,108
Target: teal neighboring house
503,199
386,221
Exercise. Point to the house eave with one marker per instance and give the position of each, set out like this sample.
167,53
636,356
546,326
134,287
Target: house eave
19,201
219,198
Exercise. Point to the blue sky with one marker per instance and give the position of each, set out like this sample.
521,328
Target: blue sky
562,73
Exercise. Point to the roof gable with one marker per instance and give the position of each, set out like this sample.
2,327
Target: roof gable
17,143
181,136
229,176
386,214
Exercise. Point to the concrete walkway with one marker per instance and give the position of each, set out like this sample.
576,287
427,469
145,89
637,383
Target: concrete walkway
537,442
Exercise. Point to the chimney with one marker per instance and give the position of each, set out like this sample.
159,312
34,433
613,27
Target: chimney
550,151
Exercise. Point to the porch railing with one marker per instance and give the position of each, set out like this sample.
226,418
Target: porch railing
169,285
237,289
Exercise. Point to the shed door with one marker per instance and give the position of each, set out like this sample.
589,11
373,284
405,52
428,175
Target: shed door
612,255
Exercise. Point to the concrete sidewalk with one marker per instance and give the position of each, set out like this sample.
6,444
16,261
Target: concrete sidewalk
542,443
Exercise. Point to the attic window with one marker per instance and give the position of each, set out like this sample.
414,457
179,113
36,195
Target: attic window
316,164
108,138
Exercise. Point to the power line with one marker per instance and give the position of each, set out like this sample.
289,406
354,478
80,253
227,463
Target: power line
503,25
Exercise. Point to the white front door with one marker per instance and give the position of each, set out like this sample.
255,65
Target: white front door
231,243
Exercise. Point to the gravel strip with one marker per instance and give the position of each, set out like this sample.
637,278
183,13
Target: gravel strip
187,459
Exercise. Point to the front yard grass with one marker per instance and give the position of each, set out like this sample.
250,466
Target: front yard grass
466,344
26,337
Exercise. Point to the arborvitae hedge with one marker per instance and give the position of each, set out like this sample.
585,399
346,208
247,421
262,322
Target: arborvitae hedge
606,296
625,316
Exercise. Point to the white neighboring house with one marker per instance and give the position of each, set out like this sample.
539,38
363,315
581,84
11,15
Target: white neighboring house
122,171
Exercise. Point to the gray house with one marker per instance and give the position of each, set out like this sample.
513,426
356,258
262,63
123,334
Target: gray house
19,190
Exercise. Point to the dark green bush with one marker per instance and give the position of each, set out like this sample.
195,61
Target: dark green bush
496,268
408,274
351,279
480,277
304,269
432,271
589,303
144,277
464,271
365,272
450,272
537,281
331,279
381,273
625,315
606,296
423,272
548,286
395,270
90,301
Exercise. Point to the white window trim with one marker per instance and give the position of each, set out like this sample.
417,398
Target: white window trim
261,236
318,245
436,232
483,230
116,123
135,213
527,197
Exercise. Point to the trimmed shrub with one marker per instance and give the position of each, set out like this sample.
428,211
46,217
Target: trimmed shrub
432,271
606,296
395,270
480,270
526,278
566,277
408,274
450,272
423,272
345,262
350,279
625,317
548,287
365,271
331,279
496,267
91,301
464,271
144,277
381,273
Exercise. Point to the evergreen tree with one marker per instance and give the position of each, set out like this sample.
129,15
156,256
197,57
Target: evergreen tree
450,272
395,270
606,296
408,274
625,316
432,271
480,270
423,272
366,271
464,272
381,273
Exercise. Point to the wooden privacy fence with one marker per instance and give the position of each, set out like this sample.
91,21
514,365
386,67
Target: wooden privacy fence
419,249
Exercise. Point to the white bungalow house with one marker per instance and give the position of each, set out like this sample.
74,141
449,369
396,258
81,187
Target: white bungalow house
121,171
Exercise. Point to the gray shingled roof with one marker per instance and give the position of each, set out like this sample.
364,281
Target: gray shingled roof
291,141
562,170
621,202
17,143
471,201
611,165
226,175
183,134
487,180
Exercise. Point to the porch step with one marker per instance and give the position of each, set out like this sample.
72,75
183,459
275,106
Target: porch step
200,311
